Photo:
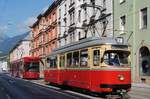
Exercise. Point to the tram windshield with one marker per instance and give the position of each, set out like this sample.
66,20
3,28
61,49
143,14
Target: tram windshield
32,67
116,58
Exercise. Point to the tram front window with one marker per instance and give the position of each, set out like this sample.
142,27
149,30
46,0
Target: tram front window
116,58
32,67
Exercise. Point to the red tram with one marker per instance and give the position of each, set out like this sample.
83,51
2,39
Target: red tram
98,65
27,68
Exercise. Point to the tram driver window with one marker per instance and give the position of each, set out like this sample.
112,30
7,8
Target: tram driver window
96,57
116,58
84,58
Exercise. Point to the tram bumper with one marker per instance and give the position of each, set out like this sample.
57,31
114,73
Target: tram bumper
116,88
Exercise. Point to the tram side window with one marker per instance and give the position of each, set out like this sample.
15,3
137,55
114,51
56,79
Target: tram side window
84,58
53,63
62,61
75,59
69,59
96,57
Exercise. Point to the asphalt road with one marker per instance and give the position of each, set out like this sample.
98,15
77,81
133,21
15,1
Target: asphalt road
16,88
13,88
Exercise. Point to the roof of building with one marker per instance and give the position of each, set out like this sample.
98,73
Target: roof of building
49,10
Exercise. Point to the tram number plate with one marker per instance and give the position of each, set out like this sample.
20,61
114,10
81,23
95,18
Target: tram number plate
123,91
113,97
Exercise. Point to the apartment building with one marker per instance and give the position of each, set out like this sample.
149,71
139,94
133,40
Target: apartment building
44,34
80,19
21,49
131,21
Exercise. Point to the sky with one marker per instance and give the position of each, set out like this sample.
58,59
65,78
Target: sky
17,15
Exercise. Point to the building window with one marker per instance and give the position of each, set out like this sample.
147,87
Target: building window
93,30
122,1
65,21
85,13
65,41
79,15
59,28
122,24
72,17
59,43
104,4
65,9
79,35
143,18
72,37
59,13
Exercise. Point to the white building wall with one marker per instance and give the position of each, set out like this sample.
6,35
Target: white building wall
20,51
77,7
3,64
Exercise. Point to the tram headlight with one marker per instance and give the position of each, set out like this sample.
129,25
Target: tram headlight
121,77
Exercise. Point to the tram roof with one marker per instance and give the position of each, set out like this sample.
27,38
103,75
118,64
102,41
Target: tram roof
92,41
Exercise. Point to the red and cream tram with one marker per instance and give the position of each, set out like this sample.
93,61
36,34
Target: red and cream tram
98,65
27,68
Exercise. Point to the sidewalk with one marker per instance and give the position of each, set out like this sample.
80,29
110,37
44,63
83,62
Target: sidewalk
39,81
141,85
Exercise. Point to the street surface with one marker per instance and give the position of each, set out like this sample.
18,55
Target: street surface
140,93
16,88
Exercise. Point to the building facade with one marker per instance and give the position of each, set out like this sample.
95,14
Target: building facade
131,21
80,19
4,64
21,49
44,34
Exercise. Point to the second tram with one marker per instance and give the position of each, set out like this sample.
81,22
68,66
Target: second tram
27,68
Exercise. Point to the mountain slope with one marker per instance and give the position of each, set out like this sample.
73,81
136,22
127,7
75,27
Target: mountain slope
9,43
3,37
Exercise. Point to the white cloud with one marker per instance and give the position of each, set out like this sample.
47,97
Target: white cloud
30,21
3,28
24,26
44,9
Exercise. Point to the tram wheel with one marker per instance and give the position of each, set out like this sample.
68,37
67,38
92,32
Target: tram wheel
124,96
